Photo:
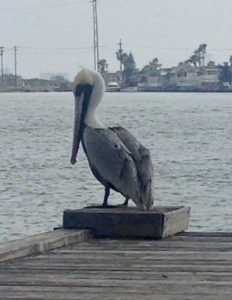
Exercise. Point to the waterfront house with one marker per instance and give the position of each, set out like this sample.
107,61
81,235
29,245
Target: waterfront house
186,77
148,83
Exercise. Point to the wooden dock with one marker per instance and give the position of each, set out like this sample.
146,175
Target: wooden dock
188,266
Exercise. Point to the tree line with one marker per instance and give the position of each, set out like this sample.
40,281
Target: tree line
196,59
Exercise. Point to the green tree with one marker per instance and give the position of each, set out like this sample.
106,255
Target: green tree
193,59
198,56
103,65
225,73
231,60
129,66
153,68
202,53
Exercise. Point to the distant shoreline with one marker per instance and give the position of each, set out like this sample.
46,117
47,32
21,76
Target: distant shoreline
124,92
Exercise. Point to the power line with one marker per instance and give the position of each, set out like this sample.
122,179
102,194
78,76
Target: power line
56,48
112,46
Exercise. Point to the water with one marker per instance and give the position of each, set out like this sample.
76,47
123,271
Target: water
189,136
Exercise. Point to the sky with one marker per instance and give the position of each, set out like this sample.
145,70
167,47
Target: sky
56,36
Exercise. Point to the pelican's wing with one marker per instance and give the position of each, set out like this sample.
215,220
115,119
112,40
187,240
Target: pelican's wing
143,162
109,157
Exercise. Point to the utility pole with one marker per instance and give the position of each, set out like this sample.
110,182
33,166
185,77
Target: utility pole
15,63
120,58
1,53
95,36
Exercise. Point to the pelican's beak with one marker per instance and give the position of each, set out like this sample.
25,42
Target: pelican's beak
82,93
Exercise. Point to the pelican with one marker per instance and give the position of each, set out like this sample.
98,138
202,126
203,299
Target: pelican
116,158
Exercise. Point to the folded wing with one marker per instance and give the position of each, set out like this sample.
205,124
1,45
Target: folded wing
118,159
143,162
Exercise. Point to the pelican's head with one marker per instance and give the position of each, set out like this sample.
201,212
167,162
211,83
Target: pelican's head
83,78
88,88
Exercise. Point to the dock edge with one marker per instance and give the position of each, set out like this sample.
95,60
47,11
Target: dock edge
41,243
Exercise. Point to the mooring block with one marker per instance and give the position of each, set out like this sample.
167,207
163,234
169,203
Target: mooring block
129,222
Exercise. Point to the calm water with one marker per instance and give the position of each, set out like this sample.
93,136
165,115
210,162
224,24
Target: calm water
189,135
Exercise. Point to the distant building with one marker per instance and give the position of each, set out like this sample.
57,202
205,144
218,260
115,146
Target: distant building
48,76
187,77
148,83
209,78
10,82
183,76
38,85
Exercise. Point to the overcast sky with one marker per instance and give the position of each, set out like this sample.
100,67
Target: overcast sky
57,35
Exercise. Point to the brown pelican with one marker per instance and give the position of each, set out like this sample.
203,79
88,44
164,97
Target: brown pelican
116,158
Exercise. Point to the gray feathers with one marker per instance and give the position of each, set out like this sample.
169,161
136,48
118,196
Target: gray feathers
116,157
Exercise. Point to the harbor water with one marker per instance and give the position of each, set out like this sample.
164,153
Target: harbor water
189,136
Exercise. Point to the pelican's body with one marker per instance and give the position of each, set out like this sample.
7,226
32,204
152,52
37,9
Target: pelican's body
115,156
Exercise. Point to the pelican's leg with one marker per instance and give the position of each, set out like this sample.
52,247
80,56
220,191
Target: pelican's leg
107,193
125,203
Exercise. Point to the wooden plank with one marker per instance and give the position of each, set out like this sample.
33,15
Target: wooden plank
197,238
76,280
78,256
110,289
207,234
145,257
120,262
165,245
82,295
122,267
11,277
41,243
129,222
118,284
154,254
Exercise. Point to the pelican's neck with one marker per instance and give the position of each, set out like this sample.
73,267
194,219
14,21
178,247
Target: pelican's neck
96,96
91,119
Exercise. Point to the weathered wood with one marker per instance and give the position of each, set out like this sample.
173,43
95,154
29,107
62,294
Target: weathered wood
11,277
82,255
165,267
183,267
170,288
129,222
41,243
104,295
164,245
207,234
